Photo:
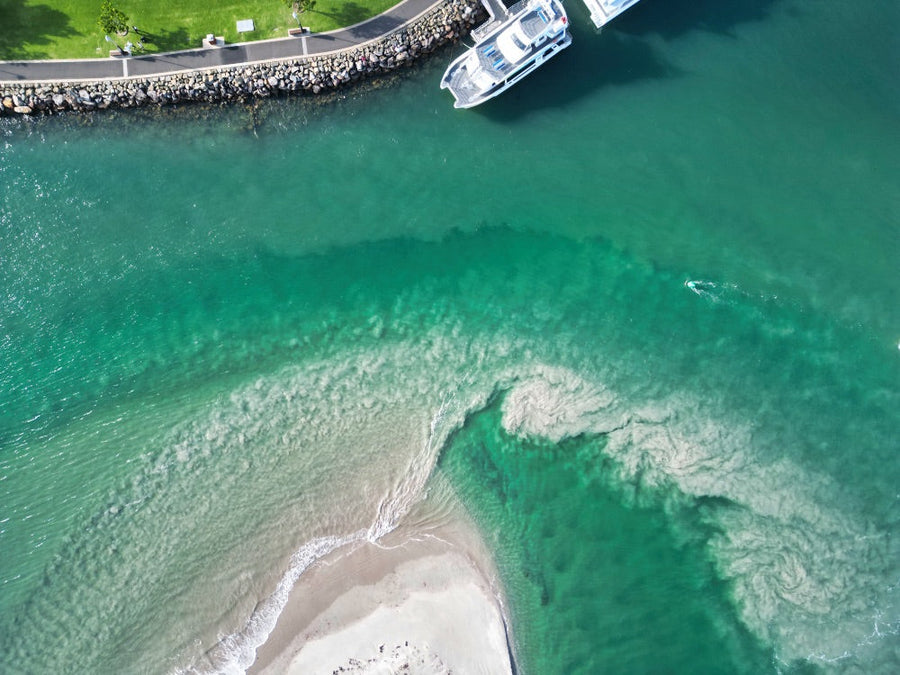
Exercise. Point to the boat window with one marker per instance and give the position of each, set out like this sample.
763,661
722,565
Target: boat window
518,43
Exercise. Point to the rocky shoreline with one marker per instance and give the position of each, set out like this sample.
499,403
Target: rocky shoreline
445,23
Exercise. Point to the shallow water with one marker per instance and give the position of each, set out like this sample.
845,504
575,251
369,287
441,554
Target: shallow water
640,311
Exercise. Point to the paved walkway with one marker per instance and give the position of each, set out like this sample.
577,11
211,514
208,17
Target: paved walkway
229,55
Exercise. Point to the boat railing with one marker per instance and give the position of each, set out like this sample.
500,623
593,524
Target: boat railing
546,11
485,29
497,18
604,11
498,14
518,7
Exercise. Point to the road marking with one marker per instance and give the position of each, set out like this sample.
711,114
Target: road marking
305,52
124,67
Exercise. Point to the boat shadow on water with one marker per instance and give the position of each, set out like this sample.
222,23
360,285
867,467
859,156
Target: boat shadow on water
626,52
672,19
591,63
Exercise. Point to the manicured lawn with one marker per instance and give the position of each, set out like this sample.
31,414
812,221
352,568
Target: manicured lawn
67,29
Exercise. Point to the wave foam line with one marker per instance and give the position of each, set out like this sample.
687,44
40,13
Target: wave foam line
235,653
394,506
807,577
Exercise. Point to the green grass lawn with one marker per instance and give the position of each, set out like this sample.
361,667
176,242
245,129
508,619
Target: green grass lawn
67,29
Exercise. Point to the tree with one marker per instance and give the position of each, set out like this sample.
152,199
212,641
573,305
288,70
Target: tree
300,6
112,19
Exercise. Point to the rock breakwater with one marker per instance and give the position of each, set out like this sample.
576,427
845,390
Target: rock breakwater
444,23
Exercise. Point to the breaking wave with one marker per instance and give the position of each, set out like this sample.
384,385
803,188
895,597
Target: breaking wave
808,577
235,653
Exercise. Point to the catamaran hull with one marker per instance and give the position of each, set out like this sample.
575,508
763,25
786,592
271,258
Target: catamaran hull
551,50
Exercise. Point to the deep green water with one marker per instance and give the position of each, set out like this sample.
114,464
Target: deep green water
641,312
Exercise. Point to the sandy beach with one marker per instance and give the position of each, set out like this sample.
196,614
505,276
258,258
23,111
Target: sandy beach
422,600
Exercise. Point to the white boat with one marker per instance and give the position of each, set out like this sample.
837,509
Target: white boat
604,11
506,51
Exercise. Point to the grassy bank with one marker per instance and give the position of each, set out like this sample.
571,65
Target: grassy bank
32,29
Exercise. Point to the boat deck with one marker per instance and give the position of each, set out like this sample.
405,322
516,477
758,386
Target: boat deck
496,9
498,13
489,55
604,11
463,88
502,54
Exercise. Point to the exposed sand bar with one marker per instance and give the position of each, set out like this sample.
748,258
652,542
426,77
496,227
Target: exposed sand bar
423,599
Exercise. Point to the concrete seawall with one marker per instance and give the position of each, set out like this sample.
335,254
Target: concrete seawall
444,23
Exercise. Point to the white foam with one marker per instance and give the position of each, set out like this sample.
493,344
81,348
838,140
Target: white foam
235,652
555,403
807,577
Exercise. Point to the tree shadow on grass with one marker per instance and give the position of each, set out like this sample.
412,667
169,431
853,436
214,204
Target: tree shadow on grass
347,14
25,28
170,41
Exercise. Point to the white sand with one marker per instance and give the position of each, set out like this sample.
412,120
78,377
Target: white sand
418,603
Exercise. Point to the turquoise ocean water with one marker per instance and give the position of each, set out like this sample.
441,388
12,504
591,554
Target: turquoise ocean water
640,313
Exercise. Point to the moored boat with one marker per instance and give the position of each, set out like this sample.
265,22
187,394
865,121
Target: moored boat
534,31
604,11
